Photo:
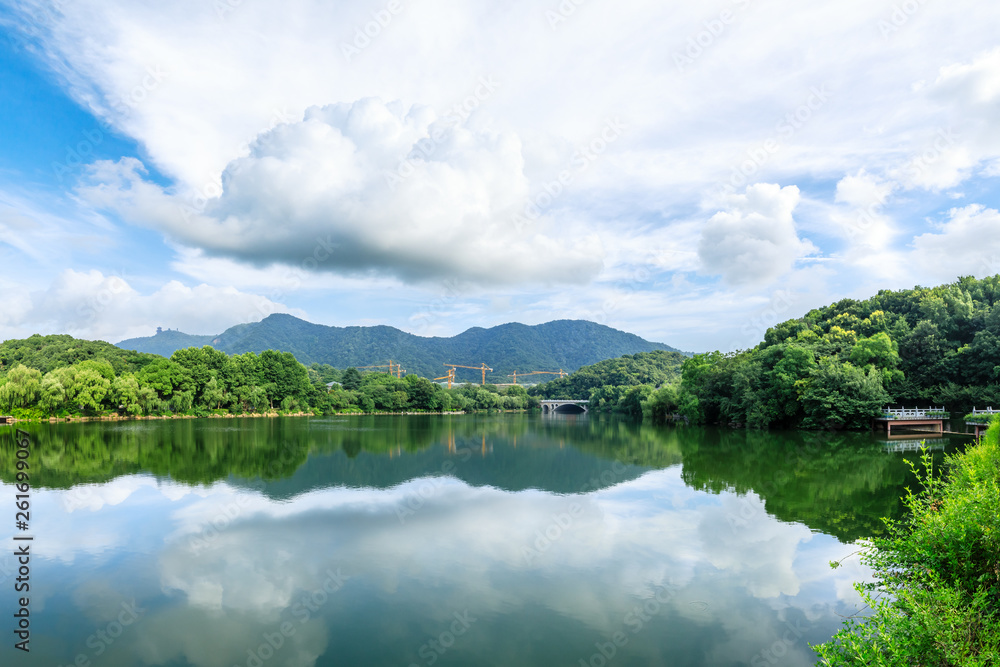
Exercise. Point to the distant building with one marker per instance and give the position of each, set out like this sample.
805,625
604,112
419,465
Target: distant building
159,330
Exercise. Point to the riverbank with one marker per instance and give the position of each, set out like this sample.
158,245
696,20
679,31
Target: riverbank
123,418
936,595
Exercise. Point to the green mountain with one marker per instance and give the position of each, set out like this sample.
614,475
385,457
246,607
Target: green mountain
165,343
562,344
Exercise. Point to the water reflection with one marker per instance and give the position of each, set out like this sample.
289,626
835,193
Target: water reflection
546,577
836,483
467,541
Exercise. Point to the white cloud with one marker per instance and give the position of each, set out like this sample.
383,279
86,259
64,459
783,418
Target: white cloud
968,91
863,190
755,241
366,188
90,304
739,536
967,243
943,163
976,82
196,102
862,219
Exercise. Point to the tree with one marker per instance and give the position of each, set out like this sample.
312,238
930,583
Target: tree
22,388
632,401
283,376
922,353
842,396
90,389
202,365
422,393
125,393
352,379
150,401
165,377
181,401
879,350
399,399
662,403
53,394
213,394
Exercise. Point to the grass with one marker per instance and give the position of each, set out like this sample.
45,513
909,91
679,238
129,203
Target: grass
935,599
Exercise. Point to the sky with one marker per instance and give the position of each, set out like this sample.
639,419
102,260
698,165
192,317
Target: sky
689,172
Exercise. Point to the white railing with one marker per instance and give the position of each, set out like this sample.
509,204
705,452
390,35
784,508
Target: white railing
987,411
911,413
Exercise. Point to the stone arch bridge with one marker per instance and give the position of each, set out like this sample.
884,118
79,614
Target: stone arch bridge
549,407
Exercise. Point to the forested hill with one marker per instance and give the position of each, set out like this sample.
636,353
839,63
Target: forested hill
562,344
838,365
47,353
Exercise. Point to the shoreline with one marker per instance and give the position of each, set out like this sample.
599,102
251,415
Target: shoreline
119,418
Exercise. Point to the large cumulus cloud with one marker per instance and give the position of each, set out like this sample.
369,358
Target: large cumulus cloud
366,187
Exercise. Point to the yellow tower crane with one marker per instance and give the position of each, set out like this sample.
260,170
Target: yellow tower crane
398,372
561,373
450,377
482,368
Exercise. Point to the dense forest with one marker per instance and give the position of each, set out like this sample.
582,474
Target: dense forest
44,376
836,367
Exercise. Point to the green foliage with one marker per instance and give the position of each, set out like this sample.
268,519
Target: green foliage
125,392
838,365
935,599
840,395
199,381
165,376
979,417
22,388
46,353
645,368
662,403
632,402
351,379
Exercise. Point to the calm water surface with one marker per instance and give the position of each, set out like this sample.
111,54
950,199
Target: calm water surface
443,540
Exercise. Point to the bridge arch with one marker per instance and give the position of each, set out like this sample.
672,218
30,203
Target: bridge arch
563,406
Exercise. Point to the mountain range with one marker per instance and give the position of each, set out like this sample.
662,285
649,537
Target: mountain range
561,344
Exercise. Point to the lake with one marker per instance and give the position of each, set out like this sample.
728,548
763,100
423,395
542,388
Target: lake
439,540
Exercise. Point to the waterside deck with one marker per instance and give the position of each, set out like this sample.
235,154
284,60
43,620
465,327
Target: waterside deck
930,420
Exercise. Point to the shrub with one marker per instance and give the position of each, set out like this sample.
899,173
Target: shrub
935,599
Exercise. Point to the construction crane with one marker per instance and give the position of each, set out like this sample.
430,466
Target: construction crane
450,377
561,373
398,372
482,368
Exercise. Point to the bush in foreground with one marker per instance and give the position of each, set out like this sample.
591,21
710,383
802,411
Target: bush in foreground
935,600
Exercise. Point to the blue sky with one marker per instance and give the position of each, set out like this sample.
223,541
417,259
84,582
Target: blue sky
689,172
